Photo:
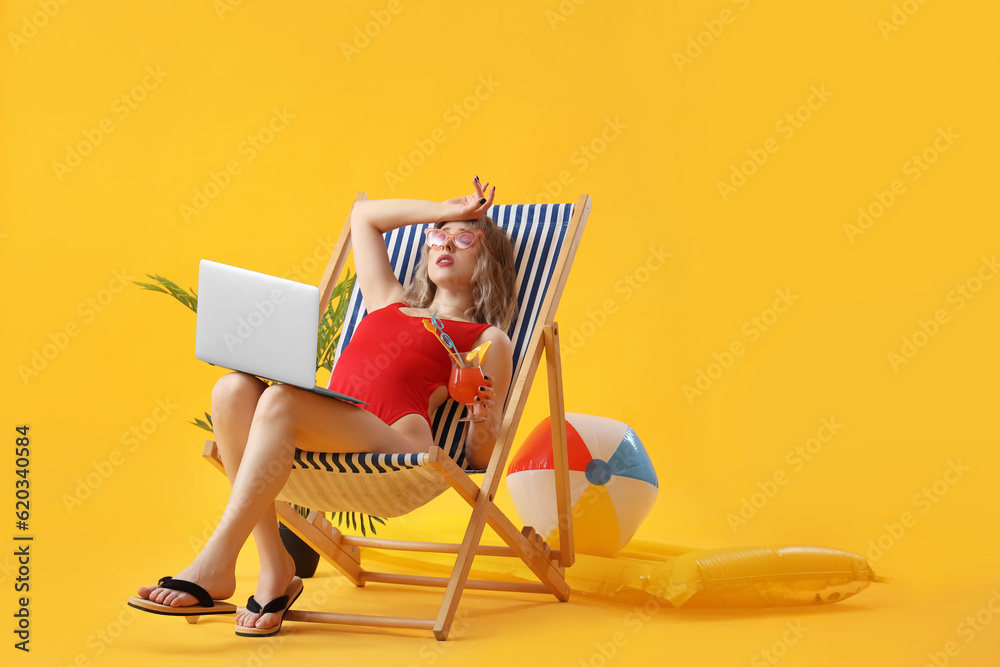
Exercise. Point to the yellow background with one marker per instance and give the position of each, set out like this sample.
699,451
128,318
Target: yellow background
559,75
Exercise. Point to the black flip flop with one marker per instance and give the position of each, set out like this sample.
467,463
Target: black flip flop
206,605
282,604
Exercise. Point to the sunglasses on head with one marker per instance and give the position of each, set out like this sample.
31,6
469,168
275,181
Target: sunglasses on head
463,239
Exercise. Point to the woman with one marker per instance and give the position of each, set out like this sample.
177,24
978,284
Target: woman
468,280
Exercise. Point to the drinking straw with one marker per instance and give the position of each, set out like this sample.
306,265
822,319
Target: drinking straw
435,326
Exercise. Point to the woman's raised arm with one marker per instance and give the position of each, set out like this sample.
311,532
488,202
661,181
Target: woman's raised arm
372,218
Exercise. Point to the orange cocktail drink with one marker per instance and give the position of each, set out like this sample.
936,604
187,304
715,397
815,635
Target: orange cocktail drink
464,384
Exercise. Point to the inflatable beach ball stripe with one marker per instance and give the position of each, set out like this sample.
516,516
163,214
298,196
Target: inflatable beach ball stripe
612,483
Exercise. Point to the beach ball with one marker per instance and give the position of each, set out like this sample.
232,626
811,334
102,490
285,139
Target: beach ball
612,483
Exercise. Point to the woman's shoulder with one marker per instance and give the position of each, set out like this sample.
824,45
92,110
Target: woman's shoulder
495,335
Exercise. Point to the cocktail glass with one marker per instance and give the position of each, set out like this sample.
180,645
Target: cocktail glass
464,384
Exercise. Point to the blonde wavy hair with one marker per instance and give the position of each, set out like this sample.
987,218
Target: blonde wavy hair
494,288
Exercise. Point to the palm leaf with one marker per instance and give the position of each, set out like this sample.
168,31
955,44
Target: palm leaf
173,289
333,321
207,425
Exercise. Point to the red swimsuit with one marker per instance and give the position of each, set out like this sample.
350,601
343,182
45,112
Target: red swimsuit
394,363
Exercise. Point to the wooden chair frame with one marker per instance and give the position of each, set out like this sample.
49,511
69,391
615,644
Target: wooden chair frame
548,565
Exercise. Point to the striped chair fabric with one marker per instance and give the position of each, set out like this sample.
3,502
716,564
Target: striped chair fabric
389,485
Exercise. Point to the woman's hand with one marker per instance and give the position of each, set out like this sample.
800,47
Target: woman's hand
469,207
497,368
484,399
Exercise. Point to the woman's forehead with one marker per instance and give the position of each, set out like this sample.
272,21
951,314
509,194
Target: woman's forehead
454,226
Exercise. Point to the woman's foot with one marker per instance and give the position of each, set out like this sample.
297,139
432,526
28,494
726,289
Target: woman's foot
219,583
271,583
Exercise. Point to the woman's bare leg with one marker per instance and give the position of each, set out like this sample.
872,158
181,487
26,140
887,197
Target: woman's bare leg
283,418
234,401
286,417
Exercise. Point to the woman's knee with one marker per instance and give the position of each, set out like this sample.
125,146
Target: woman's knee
276,402
236,391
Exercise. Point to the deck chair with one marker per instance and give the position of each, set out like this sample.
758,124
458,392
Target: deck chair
389,485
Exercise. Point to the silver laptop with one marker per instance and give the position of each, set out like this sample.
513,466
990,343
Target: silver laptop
259,324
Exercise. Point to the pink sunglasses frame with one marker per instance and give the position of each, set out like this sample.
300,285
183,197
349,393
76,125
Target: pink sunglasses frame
448,237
